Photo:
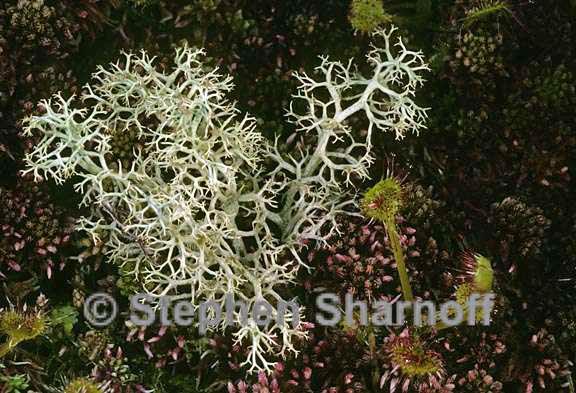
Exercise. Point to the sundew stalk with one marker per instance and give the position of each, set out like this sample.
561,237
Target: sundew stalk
382,202
392,232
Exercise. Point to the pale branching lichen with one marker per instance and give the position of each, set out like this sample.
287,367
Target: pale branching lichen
318,175
197,215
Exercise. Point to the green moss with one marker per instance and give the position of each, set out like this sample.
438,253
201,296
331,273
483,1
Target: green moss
366,15
82,385
141,3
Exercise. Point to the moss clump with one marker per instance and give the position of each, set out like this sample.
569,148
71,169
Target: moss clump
480,52
520,228
366,15
34,17
82,385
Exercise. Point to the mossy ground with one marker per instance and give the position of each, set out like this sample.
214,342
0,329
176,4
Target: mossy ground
497,161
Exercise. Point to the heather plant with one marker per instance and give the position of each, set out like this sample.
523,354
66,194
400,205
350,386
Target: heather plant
358,261
477,359
420,208
163,345
196,197
116,367
431,252
35,231
542,89
478,52
112,370
521,230
34,17
30,31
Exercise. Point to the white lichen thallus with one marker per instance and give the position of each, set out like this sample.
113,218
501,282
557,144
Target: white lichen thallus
197,215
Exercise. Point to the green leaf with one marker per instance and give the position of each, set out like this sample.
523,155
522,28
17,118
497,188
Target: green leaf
65,317
484,277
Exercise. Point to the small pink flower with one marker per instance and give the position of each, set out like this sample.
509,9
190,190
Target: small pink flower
154,339
279,367
262,379
242,386
348,378
148,351
14,266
